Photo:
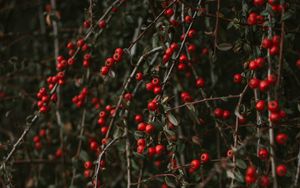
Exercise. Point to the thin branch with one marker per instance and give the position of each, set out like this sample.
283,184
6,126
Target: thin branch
205,100
126,84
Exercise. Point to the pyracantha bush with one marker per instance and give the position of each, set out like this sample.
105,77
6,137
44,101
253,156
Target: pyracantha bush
166,93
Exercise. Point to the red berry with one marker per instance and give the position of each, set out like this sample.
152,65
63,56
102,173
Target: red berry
141,126
157,90
155,81
169,12
204,157
274,50
188,19
274,117
226,114
159,149
70,45
254,83
138,118
195,164
104,70
42,132
273,106
102,24
109,62
272,78
260,19
192,33
264,85
119,51
141,142
58,153
104,130
200,82
263,154
282,114
185,97
140,149
242,119
218,112
87,173
260,105
38,145
139,76
80,42
276,40
93,145
43,109
264,181
229,153
281,170
237,78
181,66
88,164
101,121
152,106
281,138
249,179
251,171
128,96
267,43
258,2
273,2
191,48
149,128
260,62
183,58
253,65
174,46
149,86
36,139
86,24
251,20
298,63
151,151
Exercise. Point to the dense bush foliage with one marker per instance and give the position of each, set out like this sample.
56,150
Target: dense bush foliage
145,93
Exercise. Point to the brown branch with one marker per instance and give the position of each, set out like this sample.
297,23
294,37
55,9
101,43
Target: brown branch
205,100
97,168
154,177
149,26
126,84
271,130
235,133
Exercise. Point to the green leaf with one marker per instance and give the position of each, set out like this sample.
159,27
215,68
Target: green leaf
172,119
224,46
169,182
138,134
241,164
191,107
84,155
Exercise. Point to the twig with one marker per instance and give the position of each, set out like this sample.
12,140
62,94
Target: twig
216,31
281,50
155,176
97,168
298,171
82,125
149,26
126,84
235,133
204,100
271,129
25,132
